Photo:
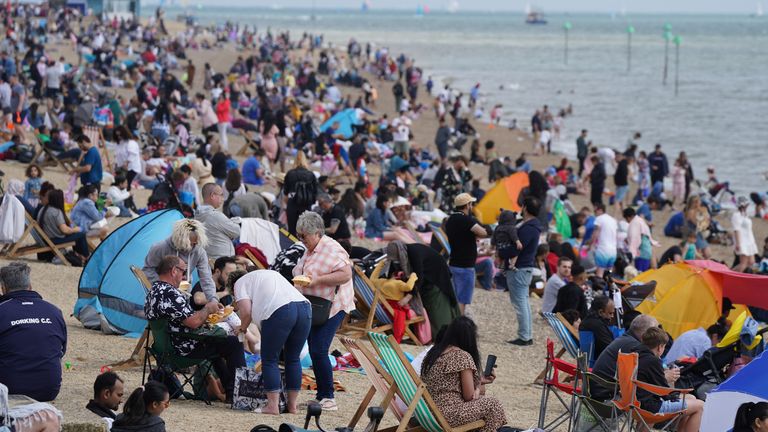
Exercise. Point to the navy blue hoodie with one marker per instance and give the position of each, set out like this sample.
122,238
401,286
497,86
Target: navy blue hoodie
33,339
528,233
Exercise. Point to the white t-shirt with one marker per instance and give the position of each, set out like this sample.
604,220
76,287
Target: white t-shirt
268,291
545,136
401,133
607,240
53,77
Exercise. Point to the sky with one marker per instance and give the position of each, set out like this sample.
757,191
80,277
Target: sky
631,6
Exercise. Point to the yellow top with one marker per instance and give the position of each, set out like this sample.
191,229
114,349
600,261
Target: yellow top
392,289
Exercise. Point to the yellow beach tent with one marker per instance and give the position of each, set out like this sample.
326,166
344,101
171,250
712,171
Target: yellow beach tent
686,297
502,196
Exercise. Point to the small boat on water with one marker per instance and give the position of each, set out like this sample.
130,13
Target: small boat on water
533,16
536,18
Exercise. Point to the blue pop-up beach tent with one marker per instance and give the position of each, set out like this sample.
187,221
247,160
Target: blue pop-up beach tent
346,119
110,298
750,384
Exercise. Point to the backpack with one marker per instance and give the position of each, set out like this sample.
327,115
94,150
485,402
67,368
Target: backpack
305,194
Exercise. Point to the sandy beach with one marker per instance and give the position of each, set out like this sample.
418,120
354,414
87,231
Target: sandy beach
88,351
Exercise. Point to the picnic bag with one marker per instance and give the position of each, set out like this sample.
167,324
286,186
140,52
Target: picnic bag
250,394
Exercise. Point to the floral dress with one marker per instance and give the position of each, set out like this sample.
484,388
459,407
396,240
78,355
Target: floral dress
452,185
443,381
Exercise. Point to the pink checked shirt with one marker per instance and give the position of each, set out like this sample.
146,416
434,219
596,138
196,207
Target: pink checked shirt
328,257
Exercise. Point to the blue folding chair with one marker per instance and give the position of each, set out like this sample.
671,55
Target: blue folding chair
587,345
566,334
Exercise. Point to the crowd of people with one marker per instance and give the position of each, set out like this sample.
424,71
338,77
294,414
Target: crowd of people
306,115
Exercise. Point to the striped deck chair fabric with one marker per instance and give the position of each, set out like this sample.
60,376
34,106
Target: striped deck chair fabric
404,382
562,333
286,239
441,238
366,292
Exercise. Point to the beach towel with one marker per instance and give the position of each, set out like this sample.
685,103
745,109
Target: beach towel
263,234
11,219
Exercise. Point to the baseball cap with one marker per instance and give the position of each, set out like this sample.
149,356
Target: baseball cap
463,199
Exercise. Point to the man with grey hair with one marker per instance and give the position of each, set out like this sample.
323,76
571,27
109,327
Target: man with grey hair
33,337
629,342
220,229
334,219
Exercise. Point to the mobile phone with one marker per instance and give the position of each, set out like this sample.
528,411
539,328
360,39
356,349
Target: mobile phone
490,363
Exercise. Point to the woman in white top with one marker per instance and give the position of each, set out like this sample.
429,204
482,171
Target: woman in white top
744,239
128,157
284,317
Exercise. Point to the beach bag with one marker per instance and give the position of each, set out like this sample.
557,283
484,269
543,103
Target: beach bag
321,308
249,393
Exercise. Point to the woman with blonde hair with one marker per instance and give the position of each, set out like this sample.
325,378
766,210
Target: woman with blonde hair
187,241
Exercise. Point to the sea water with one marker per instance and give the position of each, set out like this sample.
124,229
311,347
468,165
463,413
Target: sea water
718,116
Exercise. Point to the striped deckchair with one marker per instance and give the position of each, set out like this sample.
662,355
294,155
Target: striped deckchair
442,239
381,382
413,390
378,313
566,334
286,239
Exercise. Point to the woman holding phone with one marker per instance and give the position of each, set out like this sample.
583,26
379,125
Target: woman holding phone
452,373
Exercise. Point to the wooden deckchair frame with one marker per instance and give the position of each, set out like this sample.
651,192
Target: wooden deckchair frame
97,139
371,325
250,144
18,249
139,352
422,394
66,164
385,385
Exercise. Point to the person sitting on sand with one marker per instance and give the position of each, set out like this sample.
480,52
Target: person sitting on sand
107,396
166,302
143,408
29,368
451,372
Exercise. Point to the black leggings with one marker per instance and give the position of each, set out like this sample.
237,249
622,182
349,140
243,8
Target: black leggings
129,201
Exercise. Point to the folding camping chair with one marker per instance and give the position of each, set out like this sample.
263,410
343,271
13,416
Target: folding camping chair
587,346
555,385
42,243
566,334
165,357
414,392
626,373
381,382
379,313
605,413
286,238
140,351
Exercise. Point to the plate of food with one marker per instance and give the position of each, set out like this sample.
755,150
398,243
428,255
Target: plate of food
302,281
220,315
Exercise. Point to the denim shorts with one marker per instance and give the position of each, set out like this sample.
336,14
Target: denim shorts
604,261
671,406
621,192
463,283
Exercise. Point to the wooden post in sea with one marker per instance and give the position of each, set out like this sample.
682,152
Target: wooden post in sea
630,30
677,40
566,26
667,38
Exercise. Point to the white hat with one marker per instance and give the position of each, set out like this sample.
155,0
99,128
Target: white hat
400,201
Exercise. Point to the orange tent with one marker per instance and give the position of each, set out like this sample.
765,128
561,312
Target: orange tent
502,196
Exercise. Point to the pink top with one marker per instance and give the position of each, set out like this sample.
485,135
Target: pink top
328,257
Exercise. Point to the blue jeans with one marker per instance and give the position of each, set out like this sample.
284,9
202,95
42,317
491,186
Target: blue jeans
286,329
485,273
81,244
463,283
518,282
320,339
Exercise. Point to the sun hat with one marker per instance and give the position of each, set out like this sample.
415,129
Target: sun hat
742,201
400,201
463,199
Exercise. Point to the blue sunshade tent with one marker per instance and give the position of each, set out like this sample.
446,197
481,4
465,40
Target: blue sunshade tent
109,296
750,384
346,120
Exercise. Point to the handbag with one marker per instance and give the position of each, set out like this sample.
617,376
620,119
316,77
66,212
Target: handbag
321,308
249,393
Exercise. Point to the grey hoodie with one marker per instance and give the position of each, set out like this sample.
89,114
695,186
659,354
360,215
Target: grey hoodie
195,259
220,231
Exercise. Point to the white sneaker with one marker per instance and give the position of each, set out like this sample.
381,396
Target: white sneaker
328,405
